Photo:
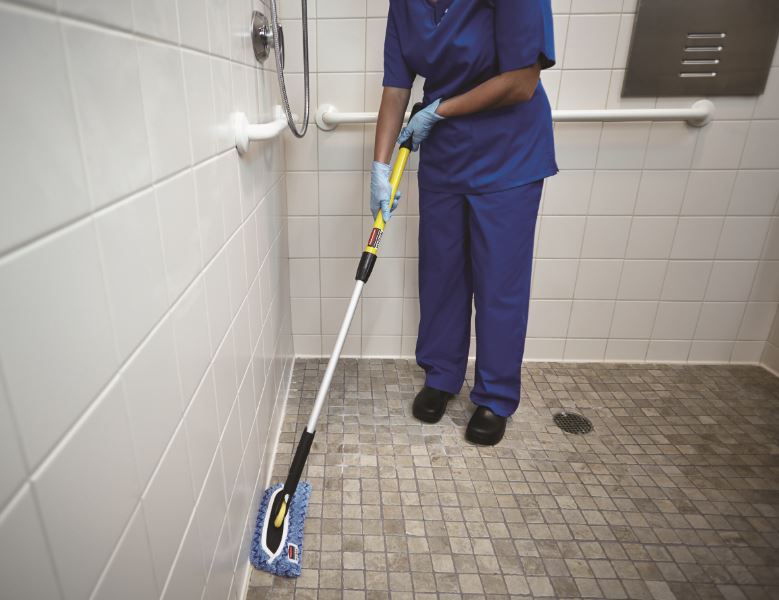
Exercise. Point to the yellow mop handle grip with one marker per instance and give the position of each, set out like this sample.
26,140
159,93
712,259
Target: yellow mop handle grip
397,174
370,254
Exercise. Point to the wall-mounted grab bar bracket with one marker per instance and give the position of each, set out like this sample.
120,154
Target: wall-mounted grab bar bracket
698,115
246,132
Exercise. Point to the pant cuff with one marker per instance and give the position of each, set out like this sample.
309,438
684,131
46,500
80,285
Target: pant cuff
501,407
444,384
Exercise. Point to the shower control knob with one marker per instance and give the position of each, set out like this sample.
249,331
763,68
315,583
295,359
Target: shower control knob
262,36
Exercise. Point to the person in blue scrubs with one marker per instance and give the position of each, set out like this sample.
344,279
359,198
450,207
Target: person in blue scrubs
486,147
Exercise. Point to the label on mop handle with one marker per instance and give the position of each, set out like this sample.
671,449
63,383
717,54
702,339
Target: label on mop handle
375,238
293,553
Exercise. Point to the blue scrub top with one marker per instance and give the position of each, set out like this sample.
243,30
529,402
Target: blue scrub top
456,45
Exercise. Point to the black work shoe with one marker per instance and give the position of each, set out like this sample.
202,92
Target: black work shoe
430,404
485,427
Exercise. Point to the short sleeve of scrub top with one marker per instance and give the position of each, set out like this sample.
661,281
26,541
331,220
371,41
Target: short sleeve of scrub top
456,45
396,71
524,34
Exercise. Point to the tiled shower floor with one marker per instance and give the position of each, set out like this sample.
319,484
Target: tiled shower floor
675,494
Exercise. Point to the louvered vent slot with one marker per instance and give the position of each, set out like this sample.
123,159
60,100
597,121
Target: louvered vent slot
702,43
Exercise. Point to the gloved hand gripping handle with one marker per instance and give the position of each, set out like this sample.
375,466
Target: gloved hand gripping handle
368,258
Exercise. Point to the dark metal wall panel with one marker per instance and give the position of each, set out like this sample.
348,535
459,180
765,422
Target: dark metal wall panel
701,47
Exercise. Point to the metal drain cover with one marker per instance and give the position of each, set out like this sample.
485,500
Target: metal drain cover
573,423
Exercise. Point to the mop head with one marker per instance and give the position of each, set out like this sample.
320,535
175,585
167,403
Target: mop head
286,560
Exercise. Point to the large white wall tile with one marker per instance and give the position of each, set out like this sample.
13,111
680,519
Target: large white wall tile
151,383
676,320
623,145
304,277
341,150
597,279
303,237
341,45
306,318
12,468
755,193
651,237
39,193
200,104
340,237
106,83
661,192
767,106
696,238
591,41
25,566
179,229
719,320
758,319
193,346
633,319
553,278
762,146
341,193
131,251
87,492
293,36
560,237
302,193
208,178
129,573
567,193
162,84
670,146
584,89
605,237
641,279
548,318
614,192
686,280
742,238
193,23
731,281
590,318
168,503
157,18
187,578
54,318
720,145
225,378
112,12
576,144
202,430
708,192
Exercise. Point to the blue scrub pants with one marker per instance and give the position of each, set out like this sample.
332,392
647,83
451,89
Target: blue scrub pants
476,247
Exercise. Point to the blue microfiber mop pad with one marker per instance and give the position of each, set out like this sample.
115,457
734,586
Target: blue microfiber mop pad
287,561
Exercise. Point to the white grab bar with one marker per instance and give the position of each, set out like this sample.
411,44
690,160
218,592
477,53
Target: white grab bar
246,132
699,114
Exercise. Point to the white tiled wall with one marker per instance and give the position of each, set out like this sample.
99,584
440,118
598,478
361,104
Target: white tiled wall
657,241
145,340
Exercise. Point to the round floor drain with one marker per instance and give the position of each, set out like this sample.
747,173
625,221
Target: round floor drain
573,423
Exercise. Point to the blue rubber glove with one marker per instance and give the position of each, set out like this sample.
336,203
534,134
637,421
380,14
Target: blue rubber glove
381,189
419,127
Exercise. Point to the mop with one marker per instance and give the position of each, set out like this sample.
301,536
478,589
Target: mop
277,544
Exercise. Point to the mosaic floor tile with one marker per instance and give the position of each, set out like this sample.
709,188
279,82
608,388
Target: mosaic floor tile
674,495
